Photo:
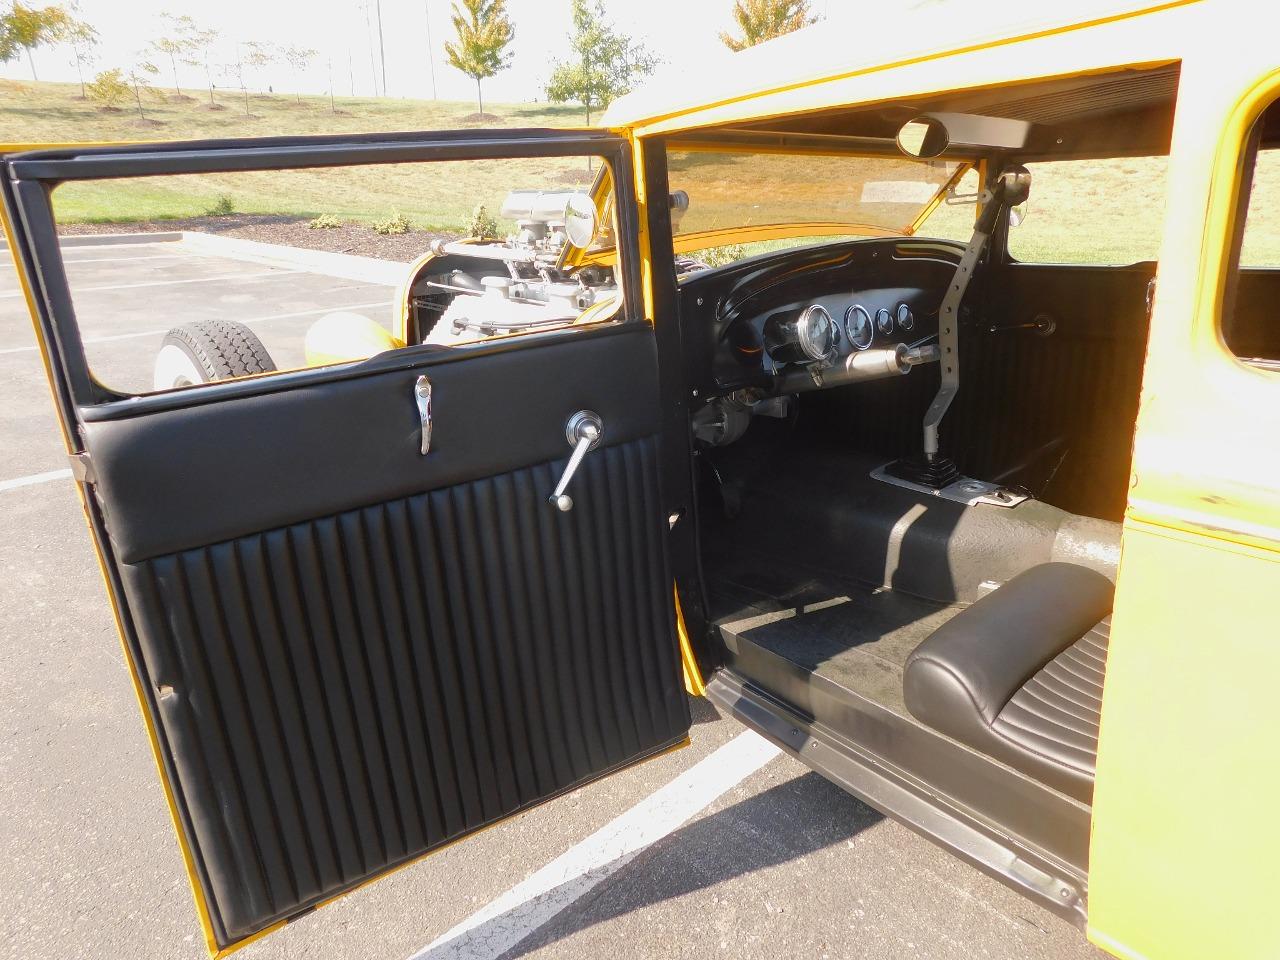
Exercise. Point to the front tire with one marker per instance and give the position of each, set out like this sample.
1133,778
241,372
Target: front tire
208,350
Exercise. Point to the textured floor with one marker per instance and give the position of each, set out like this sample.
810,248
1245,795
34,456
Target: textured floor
858,636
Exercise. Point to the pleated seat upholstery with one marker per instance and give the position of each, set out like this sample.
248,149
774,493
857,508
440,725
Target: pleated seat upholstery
1019,674
1056,712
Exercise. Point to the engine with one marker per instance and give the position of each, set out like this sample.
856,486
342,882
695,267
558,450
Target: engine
520,283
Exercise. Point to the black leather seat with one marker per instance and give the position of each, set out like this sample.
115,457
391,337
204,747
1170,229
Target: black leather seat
1018,675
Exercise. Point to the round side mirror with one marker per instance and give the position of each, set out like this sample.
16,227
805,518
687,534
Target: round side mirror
923,138
581,221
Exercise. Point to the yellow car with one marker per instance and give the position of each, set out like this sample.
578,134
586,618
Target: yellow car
916,400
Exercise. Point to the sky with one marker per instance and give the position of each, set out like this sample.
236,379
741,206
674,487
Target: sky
683,33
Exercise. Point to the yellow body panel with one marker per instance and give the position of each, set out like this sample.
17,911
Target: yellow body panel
820,69
1185,842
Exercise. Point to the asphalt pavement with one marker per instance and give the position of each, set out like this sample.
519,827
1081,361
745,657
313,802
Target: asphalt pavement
725,848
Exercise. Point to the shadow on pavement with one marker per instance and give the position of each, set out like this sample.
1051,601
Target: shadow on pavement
736,841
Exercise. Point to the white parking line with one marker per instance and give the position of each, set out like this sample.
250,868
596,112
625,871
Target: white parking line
157,332
170,283
530,905
158,256
34,478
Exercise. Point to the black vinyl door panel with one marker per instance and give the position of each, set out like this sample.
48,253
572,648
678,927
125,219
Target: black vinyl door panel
357,653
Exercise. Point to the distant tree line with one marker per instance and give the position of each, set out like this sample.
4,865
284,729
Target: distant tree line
601,65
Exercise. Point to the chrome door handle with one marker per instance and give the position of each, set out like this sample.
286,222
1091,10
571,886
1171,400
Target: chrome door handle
584,431
422,396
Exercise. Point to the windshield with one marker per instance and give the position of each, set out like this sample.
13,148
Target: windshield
761,196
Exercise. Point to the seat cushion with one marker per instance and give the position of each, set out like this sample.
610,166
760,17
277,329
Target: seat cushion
1018,674
1055,713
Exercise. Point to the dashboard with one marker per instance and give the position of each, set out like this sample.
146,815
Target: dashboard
764,322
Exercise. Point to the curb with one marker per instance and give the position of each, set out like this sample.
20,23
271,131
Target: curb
347,266
111,239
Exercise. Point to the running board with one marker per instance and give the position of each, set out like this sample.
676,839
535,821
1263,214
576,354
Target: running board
904,799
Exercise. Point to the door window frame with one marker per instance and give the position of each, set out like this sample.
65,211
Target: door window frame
31,178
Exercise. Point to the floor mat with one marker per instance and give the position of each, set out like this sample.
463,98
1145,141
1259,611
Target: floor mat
855,635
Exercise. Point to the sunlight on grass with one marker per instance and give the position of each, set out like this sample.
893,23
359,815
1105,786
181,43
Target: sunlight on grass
1103,212
434,196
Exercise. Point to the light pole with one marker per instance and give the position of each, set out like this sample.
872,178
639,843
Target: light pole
431,51
382,50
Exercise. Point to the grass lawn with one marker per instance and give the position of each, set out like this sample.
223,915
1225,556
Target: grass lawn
1106,211
432,196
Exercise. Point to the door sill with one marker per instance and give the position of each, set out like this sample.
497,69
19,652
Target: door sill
905,799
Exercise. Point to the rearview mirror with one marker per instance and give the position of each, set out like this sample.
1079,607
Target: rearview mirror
932,134
923,138
581,221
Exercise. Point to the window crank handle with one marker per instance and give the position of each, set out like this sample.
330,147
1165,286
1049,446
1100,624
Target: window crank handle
584,431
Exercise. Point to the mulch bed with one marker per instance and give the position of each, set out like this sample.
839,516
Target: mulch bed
287,231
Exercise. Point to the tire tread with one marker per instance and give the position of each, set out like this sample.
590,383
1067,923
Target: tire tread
223,348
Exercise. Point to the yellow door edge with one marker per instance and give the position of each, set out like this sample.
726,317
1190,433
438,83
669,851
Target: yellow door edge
692,674
153,737
1112,947
188,858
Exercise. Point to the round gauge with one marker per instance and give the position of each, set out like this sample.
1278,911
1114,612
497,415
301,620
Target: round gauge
816,332
884,321
805,335
906,319
858,327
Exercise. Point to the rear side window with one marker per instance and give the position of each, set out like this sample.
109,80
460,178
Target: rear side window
1260,249
1249,325
1107,212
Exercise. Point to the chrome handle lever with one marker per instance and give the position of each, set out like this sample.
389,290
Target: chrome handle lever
422,397
584,431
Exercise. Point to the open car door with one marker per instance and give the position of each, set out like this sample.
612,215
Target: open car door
358,628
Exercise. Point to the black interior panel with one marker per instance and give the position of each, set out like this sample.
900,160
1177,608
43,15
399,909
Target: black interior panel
357,653
197,475
792,495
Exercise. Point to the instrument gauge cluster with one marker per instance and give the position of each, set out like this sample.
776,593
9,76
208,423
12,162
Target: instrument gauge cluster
818,333
813,311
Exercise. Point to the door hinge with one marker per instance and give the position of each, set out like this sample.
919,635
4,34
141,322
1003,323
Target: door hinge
82,468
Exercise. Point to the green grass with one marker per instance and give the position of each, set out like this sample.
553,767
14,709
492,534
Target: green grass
432,196
1080,212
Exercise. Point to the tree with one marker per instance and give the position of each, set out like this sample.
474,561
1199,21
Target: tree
484,32
139,78
108,88
202,39
761,20
25,28
83,39
604,63
249,56
179,45
298,59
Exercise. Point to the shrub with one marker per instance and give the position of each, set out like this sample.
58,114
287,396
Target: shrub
223,208
394,224
326,221
107,89
719,256
483,225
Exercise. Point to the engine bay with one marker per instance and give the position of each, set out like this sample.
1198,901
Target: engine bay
475,289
